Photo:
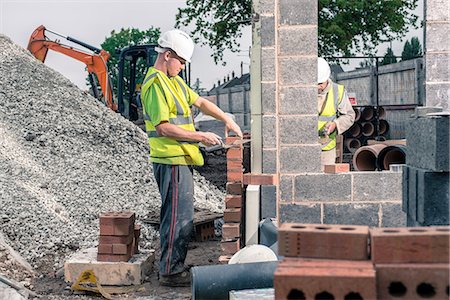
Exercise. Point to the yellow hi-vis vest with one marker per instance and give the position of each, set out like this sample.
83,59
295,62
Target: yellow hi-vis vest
329,113
163,149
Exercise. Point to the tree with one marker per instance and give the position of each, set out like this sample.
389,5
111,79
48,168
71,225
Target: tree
345,27
124,38
389,57
412,49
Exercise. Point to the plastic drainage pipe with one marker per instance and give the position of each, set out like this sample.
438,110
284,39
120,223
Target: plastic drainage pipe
365,158
216,281
395,154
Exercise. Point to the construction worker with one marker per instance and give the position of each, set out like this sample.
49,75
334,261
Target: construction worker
336,114
173,140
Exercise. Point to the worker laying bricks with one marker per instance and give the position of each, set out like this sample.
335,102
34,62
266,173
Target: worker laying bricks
336,114
173,140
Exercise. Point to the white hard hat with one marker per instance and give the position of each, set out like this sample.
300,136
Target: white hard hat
177,40
323,70
253,253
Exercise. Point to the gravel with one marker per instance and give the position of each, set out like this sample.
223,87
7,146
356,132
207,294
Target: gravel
64,159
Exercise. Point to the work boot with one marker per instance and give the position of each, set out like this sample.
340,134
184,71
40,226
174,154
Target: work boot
179,279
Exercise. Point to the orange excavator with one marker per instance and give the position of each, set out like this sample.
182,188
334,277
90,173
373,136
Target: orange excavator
95,61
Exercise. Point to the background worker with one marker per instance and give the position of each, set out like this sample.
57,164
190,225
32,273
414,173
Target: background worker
336,114
173,140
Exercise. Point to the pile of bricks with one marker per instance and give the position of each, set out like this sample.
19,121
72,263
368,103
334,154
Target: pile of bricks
355,262
119,237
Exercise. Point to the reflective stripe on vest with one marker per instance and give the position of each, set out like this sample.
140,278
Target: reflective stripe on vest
334,97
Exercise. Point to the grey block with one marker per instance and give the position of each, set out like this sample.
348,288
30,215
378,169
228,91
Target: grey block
269,160
268,201
437,67
267,31
267,6
393,216
412,223
405,188
268,97
298,70
437,36
437,94
286,188
298,40
375,186
269,132
300,213
268,64
438,10
298,12
351,214
300,159
323,187
298,130
298,100
428,143
422,111
412,193
433,197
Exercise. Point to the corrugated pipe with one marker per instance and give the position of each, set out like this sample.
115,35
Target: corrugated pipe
368,129
365,158
216,281
394,154
367,113
352,144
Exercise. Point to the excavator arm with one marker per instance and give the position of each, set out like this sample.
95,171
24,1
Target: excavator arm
95,62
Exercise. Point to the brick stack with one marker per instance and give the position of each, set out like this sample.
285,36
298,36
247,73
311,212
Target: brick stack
119,236
411,263
426,179
324,262
231,229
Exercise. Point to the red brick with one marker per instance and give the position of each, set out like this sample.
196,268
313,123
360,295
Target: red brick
112,239
410,245
234,188
230,247
117,229
412,281
122,249
113,258
260,179
104,249
323,241
204,231
231,215
235,154
232,139
310,281
233,201
235,175
231,231
337,168
117,223
234,164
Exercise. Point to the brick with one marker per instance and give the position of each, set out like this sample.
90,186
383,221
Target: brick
112,239
230,247
105,249
291,37
233,201
119,249
234,188
337,168
231,231
235,175
412,281
117,223
204,231
233,164
298,70
117,230
323,241
300,213
235,154
410,245
312,282
232,215
260,179
351,213
317,187
232,139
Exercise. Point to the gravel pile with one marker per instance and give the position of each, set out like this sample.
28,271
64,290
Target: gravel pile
64,159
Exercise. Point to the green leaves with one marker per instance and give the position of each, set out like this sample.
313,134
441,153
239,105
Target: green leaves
412,49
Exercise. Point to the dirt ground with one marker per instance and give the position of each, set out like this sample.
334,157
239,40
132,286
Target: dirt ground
52,285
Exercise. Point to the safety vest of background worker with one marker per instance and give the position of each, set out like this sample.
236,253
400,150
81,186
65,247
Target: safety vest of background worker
335,111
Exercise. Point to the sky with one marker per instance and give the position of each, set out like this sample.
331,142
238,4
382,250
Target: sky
91,21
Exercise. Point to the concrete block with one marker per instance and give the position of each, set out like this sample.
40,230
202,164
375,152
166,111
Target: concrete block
317,187
268,97
437,37
286,188
437,94
376,186
428,143
291,37
267,6
437,69
268,64
410,245
437,10
267,31
405,188
289,12
298,100
300,159
109,273
411,222
351,214
269,158
298,129
323,241
268,201
269,131
392,215
412,193
299,212
297,70
412,281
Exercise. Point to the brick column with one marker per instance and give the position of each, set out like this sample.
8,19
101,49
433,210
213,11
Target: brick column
437,53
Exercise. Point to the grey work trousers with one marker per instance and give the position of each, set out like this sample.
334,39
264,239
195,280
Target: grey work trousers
176,187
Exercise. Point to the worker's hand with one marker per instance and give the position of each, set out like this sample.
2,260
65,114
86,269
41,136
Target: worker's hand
231,125
330,127
210,138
